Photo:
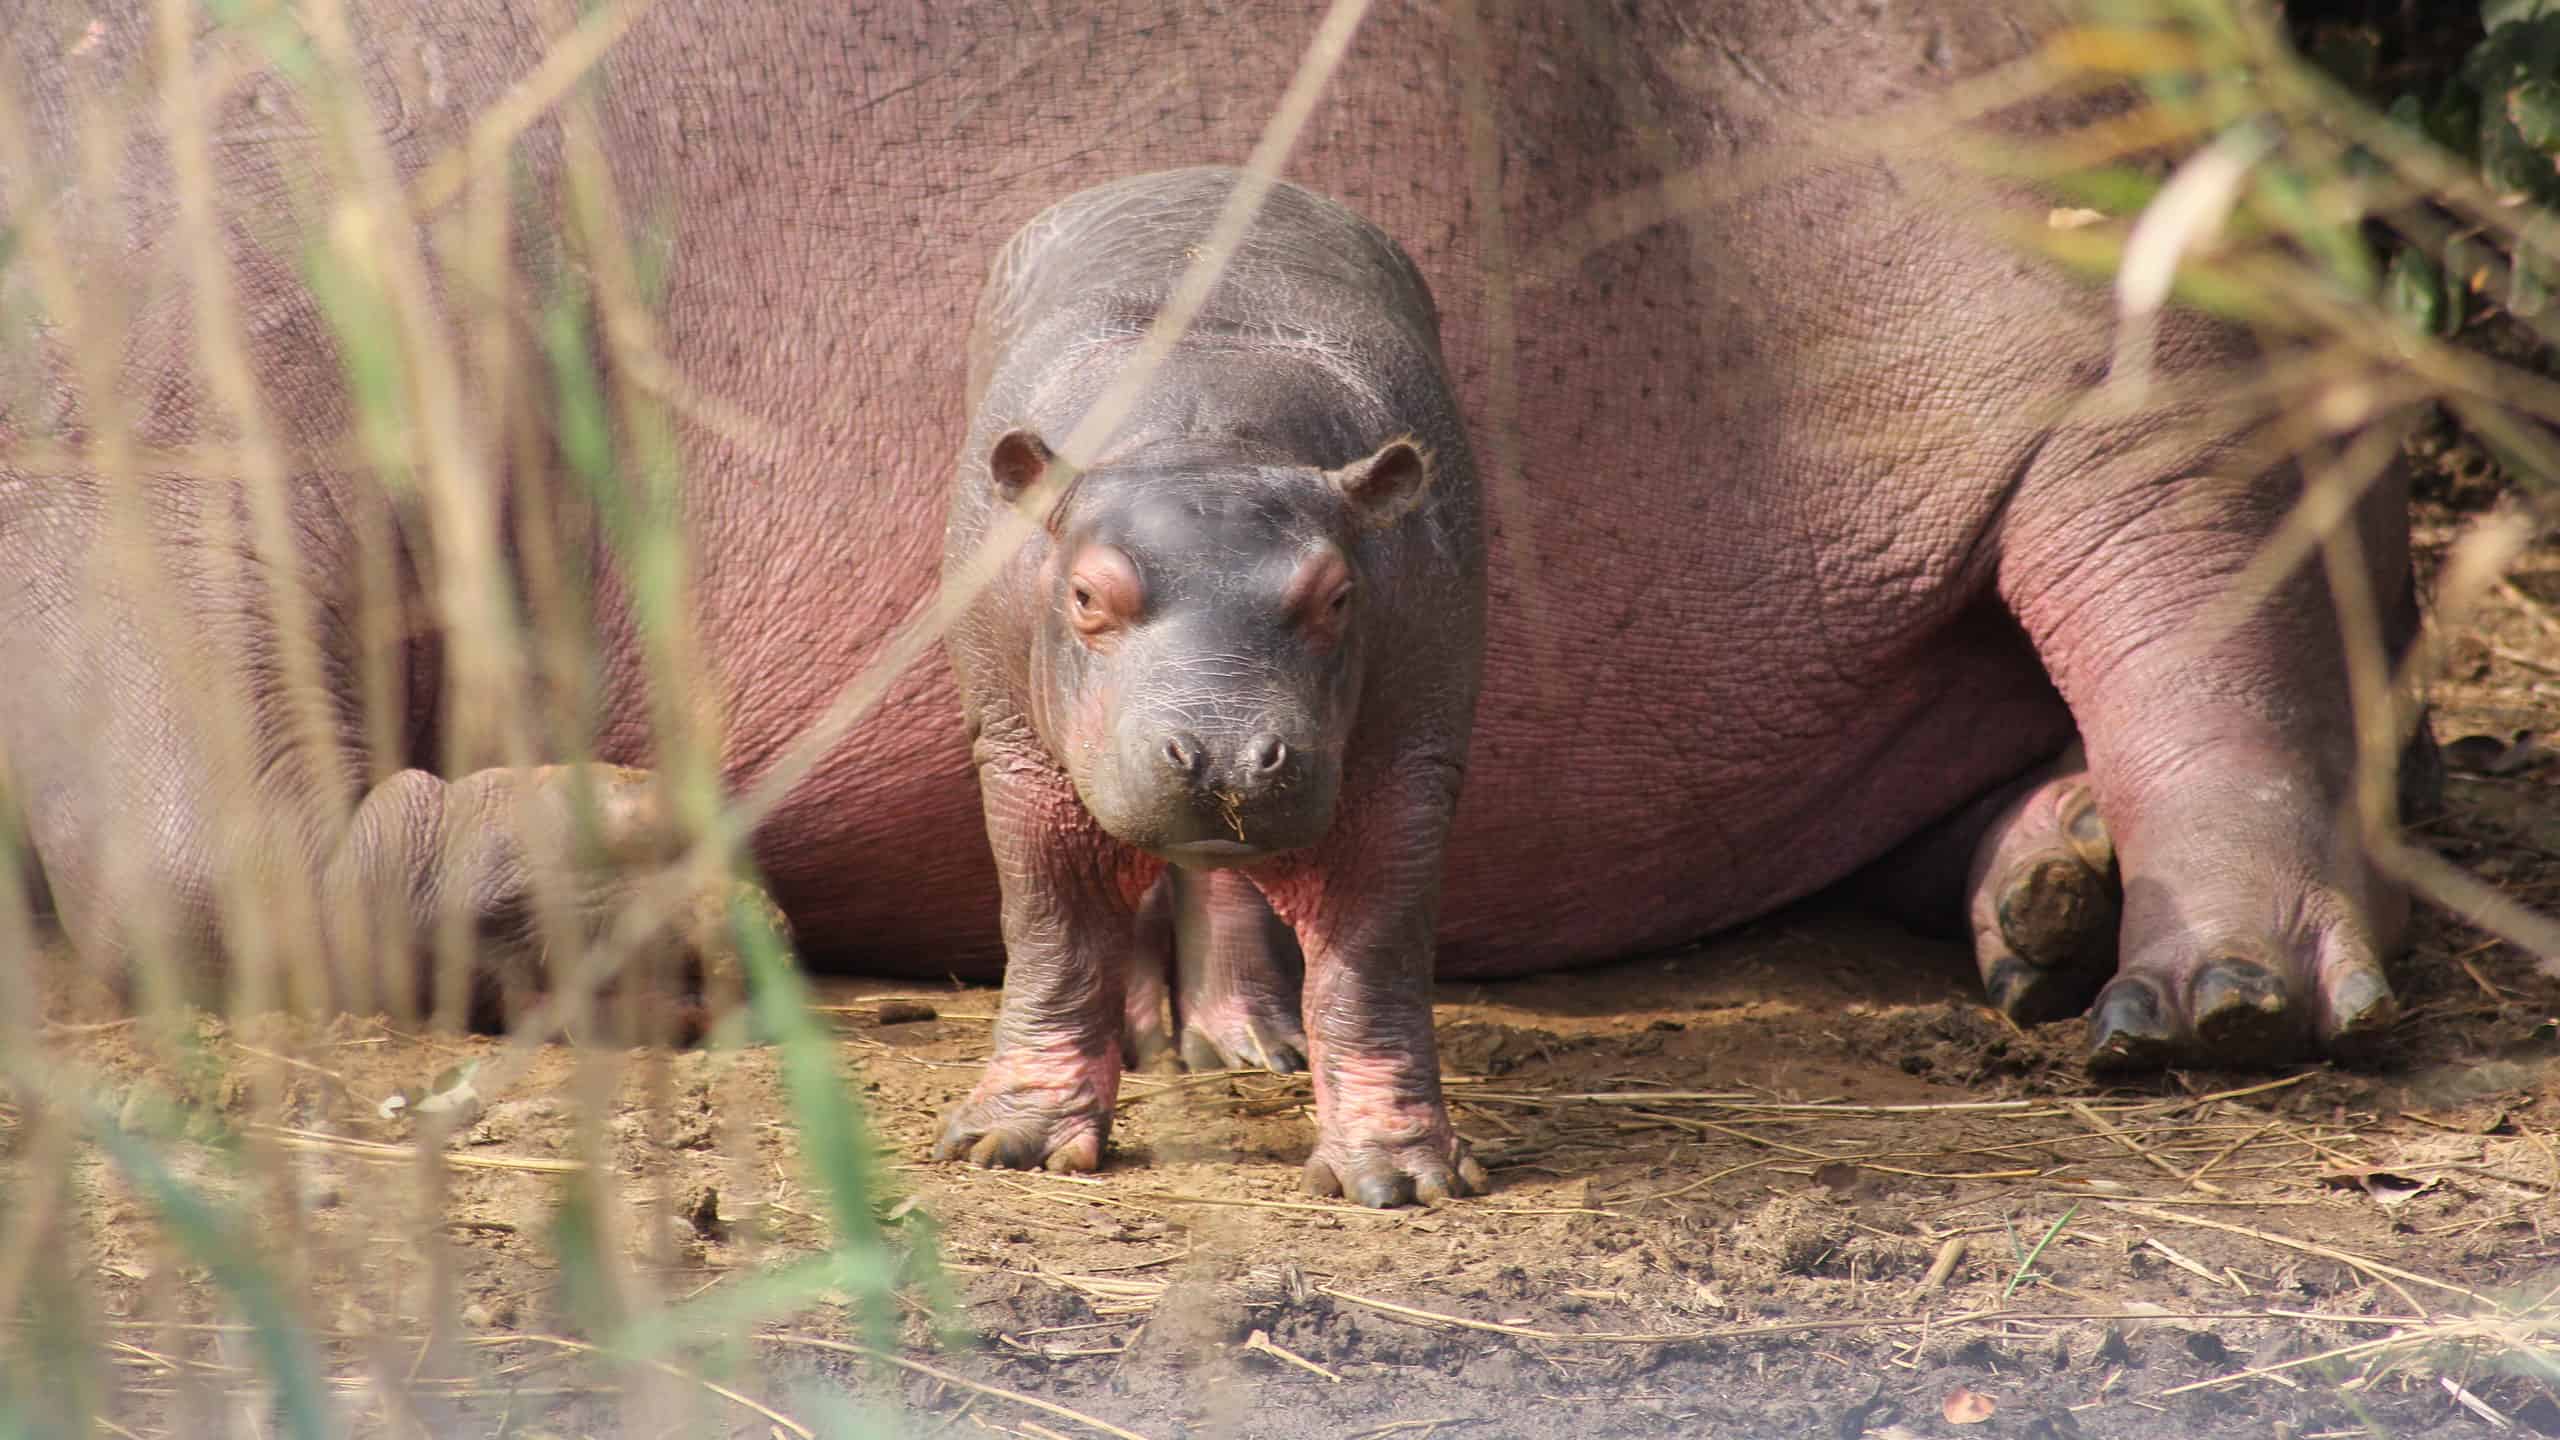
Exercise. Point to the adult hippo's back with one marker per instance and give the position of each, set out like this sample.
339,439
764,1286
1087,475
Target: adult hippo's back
1792,556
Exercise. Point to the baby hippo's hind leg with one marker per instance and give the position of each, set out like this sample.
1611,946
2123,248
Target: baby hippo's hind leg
1238,976
1215,980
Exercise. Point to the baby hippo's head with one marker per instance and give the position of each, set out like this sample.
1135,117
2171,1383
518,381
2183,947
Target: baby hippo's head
1198,636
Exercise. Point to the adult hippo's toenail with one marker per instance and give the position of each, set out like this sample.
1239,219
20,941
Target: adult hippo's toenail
1149,1049
2241,1012
2129,1027
2360,1005
2086,830
2047,909
2013,986
1200,1053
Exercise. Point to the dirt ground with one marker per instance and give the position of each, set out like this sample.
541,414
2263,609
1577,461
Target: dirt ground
1797,1182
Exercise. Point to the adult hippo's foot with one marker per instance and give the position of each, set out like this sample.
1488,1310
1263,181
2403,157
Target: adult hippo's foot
2036,871
2237,980
2254,931
2236,954
2042,901
2221,757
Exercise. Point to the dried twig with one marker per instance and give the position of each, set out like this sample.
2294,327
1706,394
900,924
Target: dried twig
382,1153
957,1382
676,1371
1259,1342
2090,1118
2367,1264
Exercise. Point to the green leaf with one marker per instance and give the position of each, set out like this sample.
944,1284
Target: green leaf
2494,13
2413,289
217,1241
826,1112
2528,293
2512,168
2454,120
587,1290
2534,109
2535,266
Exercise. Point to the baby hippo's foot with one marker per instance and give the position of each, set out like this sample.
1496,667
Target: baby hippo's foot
1380,1144
1244,1035
1035,1110
1239,974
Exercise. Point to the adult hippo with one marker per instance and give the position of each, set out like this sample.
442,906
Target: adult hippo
1795,560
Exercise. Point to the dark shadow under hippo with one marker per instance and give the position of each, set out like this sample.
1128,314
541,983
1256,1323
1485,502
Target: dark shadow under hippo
1800,565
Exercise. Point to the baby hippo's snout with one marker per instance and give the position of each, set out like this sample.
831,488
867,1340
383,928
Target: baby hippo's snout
1206,798
1260,763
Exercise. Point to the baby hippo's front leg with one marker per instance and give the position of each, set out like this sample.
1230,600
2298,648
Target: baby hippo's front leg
1365,906
1069,929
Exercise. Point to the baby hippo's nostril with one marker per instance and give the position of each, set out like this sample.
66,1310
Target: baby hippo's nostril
1264,755
1184,754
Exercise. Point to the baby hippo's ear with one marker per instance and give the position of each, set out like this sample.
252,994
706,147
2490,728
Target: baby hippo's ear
1385,485
1017,462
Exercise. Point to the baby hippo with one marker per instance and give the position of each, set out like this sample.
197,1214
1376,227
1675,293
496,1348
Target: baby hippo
1245,638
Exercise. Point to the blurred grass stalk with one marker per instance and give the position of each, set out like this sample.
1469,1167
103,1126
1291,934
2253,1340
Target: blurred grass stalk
440,408
428,467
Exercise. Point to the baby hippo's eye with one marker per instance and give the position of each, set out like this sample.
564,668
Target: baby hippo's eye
1318,599
1103,593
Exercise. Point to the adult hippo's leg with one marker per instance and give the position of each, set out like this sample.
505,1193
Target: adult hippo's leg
2222,761
150,843
2028,874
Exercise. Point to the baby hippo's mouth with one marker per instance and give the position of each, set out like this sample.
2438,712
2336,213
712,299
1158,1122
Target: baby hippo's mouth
1211,854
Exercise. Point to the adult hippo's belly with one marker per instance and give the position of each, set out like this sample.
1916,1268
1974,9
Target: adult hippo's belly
1793,570
1796,564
